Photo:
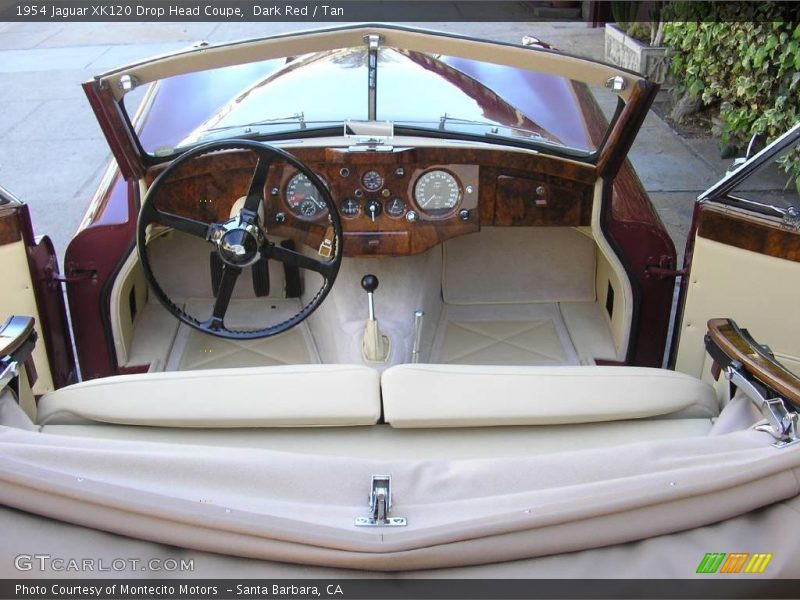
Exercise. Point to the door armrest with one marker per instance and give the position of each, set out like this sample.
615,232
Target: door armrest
727,343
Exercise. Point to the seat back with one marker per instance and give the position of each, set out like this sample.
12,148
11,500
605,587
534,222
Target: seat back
280,396
471,396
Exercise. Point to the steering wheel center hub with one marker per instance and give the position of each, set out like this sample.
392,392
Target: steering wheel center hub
239,247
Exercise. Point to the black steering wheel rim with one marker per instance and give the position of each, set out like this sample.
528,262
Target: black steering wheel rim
246,232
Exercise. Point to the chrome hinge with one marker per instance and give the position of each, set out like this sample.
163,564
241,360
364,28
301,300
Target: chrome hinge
380,504
782,423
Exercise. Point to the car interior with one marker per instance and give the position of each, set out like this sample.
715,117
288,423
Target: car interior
402,355
331,308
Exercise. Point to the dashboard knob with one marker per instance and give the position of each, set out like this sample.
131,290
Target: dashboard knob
411,216
463,214
373,209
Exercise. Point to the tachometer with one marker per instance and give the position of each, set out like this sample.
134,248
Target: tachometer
303,198
437,192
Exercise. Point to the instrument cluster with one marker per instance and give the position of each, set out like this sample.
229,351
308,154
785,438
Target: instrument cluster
373,192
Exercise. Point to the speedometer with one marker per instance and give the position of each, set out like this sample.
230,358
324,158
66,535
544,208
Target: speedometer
303,197
437,192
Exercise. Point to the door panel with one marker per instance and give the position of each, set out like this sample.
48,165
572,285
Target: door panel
29,287
745,267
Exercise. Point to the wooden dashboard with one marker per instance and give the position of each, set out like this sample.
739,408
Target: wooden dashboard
381,206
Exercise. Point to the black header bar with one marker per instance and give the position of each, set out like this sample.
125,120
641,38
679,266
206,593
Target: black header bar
339,11
396,589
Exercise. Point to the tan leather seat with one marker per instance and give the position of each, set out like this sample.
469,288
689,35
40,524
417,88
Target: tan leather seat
471,396
281,396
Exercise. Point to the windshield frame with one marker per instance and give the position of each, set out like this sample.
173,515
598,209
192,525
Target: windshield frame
723,191
106,92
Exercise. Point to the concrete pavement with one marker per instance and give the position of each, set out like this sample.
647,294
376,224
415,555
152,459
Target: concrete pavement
52,153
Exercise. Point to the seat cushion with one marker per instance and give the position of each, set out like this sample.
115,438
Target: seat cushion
281,396
471,396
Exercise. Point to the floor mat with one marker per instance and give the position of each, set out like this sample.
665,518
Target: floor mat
194,349
530,334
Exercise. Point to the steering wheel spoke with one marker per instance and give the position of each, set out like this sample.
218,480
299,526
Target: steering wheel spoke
184,224
255,193
227,282
301,261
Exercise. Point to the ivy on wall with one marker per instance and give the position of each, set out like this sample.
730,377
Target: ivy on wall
751,68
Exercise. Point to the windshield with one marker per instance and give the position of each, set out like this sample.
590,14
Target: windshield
772,185
416,91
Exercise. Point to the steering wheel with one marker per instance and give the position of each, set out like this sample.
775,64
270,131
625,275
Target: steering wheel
240,241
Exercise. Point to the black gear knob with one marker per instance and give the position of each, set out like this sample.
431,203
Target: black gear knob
369,283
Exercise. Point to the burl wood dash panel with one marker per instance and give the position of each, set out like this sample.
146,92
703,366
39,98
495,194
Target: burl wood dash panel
206,188
541,201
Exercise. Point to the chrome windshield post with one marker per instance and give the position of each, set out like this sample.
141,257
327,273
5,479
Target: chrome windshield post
373,41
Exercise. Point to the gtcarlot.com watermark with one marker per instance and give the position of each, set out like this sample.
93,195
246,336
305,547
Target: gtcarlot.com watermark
48,562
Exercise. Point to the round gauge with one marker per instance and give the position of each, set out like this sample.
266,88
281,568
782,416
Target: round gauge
350,208
303,198
437,192
372,181
395,207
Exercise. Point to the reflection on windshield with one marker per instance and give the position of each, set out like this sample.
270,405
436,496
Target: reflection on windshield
302,87
771,185
414,89
460,98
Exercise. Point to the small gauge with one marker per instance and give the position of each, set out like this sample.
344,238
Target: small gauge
350,208
437,192
308,208
395,207
372,181
303,198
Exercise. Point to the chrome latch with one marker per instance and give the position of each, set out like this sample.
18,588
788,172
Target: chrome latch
782,423
373,40
616,83
380,504
8,372
791,218
128,83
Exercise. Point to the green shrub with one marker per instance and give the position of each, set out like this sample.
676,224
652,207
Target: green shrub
750,68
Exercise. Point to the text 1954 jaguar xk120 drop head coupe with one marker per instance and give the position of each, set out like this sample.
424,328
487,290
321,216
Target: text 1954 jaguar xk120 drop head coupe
372,298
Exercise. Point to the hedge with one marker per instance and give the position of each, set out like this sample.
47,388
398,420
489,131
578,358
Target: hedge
750,68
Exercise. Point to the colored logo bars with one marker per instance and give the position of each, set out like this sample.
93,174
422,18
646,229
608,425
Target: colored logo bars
735,562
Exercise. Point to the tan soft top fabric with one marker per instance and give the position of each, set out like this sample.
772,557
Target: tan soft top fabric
470,395
279,396
300,508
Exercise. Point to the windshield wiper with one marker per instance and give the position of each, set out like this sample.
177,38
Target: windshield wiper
494,129
295,118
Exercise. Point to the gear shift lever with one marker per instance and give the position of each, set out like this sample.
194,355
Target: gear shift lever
374,346
370,284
